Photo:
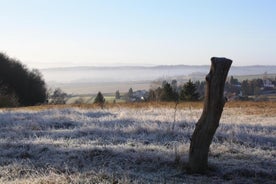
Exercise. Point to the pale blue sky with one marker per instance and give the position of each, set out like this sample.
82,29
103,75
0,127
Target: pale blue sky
50,33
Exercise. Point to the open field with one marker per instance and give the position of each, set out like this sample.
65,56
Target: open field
134,143
105,87
89,99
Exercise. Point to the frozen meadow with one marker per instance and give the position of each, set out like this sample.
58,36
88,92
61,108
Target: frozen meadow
124,144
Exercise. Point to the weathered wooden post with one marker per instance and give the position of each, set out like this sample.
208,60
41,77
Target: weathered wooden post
209,120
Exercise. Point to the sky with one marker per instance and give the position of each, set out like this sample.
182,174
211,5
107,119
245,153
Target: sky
65,33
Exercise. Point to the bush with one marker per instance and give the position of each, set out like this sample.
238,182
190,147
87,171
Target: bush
8,101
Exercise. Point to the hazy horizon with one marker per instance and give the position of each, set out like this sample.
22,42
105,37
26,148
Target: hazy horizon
120,65
141,73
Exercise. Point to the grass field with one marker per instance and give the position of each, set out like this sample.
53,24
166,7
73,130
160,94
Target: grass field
134,143
89,99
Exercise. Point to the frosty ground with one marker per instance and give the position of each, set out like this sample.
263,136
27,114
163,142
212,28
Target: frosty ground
123,144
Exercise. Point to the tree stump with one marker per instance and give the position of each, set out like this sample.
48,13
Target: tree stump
209,120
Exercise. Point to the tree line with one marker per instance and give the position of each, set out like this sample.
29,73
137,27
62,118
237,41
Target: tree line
169,92
172,92
253,87
20,86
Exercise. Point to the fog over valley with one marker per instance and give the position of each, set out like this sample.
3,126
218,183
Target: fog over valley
85,80
139,73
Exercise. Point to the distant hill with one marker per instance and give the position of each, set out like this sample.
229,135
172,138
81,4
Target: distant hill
140,73
90,79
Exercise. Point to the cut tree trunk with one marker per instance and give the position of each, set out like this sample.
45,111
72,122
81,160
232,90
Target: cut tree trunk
209,120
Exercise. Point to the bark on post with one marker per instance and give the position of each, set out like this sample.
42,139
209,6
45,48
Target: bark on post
209,120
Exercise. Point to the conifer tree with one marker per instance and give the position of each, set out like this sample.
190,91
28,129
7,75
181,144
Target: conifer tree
99,98
168,94
188,92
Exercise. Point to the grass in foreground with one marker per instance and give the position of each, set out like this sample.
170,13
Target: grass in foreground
134,143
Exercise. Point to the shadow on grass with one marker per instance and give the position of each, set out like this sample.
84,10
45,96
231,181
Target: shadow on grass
129,162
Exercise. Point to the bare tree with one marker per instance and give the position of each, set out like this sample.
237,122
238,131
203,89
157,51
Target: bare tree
58,97
209,120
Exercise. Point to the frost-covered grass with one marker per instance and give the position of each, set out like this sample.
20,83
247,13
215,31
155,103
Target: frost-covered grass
133,145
